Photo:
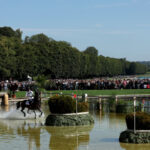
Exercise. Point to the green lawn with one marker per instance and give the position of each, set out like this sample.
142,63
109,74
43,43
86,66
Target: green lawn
21,94
105,92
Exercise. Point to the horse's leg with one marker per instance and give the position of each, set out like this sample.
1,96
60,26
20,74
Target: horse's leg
40,112
34,113
28,111
17,105
23,111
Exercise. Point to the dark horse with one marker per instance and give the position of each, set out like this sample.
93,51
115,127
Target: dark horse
35,105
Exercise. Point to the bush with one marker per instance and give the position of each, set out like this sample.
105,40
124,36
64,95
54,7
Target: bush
83,107
40,80
50,84
142,121
65,104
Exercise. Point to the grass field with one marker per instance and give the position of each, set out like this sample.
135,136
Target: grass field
20,94
105,92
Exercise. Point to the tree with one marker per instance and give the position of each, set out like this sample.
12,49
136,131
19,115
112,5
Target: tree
92,52
19,33
4,73
26,40
39,38
41,55
7,31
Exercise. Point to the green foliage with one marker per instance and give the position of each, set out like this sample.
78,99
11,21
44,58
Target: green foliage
49,84
7,31
40,80
62,104
41,55
39,38
92,55
83,107
4,73
91,51
147,63
65,104
125,102
142,121
123,106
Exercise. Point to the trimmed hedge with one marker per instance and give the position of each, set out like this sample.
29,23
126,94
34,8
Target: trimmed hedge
142,121
65,104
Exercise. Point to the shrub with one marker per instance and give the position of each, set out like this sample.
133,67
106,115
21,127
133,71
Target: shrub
83,107
50,84
40,80
65,104
142,121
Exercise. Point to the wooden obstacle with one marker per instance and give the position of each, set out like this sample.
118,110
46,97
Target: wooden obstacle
4,99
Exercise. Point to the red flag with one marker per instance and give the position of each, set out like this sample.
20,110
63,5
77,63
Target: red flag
143,101
75,95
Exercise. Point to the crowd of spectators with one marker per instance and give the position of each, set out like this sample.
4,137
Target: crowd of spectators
85,84
21,86
12,86
101,84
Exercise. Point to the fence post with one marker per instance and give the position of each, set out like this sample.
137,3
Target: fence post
5,100
100,103
116,98
134,114
86,96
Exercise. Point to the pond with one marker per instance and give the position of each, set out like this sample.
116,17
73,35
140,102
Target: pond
17,132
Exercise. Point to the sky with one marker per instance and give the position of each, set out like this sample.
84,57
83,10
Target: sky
116,28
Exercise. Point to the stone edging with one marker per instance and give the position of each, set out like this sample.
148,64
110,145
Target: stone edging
70,119
129,136
139,131
71,114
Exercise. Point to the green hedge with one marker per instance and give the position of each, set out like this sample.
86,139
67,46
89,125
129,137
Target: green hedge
65,104
142,121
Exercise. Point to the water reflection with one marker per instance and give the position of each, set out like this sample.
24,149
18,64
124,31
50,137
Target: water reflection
4,108
29,129
31,134
68,138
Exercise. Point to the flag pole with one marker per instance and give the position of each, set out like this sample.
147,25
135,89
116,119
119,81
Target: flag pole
134,114
76,106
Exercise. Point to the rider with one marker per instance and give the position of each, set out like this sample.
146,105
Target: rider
29,95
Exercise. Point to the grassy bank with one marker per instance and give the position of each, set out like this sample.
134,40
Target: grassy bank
20,94
106,92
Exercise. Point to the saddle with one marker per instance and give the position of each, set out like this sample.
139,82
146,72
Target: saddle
29,102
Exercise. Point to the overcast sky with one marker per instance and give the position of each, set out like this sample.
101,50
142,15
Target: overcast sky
117,28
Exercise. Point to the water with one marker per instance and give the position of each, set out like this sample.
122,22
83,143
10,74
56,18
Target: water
17,132
13,114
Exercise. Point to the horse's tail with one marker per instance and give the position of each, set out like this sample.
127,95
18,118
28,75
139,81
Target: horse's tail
18,105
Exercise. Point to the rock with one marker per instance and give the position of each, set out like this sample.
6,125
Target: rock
129,136
69,120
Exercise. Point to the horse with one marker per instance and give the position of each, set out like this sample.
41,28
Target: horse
35,105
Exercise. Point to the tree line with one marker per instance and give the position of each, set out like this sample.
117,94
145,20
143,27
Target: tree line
41,55
147,63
